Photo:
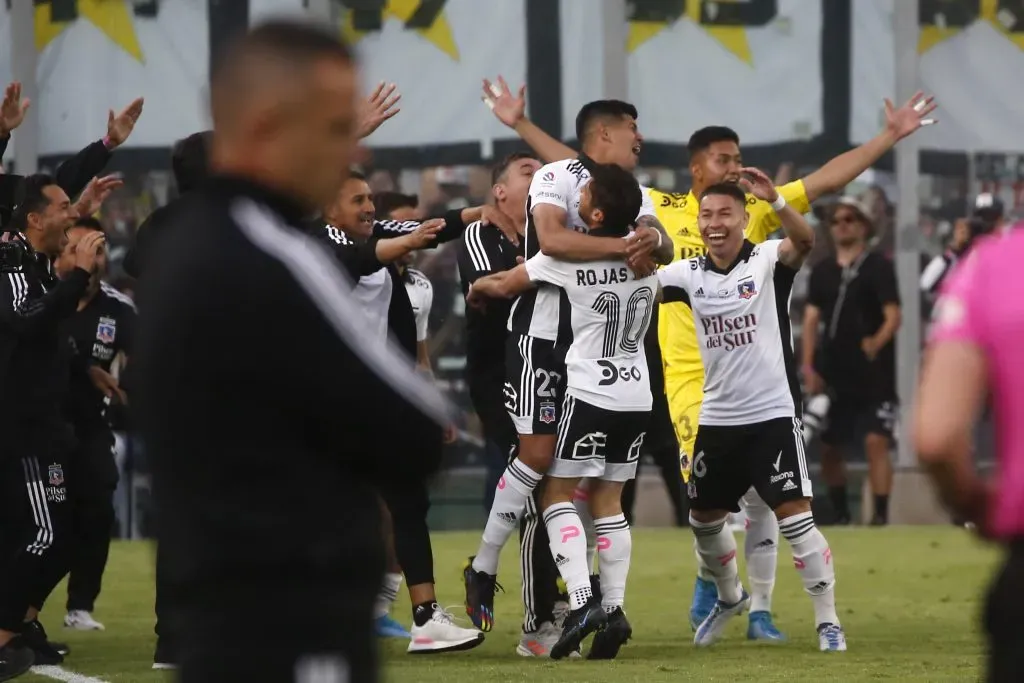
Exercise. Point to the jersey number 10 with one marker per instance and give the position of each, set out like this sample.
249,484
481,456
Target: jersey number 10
625,334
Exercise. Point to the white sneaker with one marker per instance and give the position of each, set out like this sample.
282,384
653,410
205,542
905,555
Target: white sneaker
831,638
164,666
442,634
81,620
560,612
713,627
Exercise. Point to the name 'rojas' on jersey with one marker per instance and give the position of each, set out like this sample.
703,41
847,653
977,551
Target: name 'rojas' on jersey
560,184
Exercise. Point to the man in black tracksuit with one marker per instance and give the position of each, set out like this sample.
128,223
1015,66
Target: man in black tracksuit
102,330
261,424
34,368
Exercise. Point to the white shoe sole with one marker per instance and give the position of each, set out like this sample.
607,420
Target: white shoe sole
163,666
434,647
84,627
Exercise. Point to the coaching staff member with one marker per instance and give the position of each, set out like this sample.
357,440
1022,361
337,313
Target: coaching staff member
262,478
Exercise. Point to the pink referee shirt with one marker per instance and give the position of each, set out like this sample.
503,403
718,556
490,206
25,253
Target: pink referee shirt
982,304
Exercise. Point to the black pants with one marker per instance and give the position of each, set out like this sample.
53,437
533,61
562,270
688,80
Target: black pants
92,517
1003,619
34,523
663,446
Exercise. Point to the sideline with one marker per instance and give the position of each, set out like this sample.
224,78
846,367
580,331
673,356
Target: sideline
59,673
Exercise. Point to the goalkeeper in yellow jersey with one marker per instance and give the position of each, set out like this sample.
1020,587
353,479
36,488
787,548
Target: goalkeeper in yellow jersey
714,158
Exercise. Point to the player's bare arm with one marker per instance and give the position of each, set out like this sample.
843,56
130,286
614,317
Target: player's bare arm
799,238
808,343
661,243
899,123
510,109
949,400
503,285
558,241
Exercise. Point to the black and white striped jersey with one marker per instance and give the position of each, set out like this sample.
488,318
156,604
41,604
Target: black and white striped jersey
609,312
421,296
485,250
743,328
560,183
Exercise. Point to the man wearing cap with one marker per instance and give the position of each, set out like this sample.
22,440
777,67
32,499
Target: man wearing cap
850,323
989,216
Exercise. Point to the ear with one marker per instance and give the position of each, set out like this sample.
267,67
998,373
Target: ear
498,191
597,217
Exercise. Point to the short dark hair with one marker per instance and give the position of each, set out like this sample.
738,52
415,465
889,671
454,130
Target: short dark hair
501,168
89,223
601,109
616,192
356,174
726,189
386,202
190,160
709,135
30,198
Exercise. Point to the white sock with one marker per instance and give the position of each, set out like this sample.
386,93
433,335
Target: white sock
813,559
716,546
702,569
388,594
614,549
569,548
514,488
761,548
581,499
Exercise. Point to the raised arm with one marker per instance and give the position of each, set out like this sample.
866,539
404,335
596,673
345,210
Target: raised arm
799,238
511,110
843,169
503,285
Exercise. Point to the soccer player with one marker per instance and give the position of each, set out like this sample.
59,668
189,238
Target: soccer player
605,412
534,364
483,252
715,158
749,433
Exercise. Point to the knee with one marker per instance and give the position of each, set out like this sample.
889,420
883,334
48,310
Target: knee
703,518
793,507
877,446
537,452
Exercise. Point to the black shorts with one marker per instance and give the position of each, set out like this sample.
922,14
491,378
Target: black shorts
486,391
1004,609
730,459
850,418
598,443
534,384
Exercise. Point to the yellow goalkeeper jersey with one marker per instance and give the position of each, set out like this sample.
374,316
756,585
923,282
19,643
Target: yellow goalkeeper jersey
678,213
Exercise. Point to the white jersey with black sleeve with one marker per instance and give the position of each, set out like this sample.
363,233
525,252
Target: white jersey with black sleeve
742,318
421,296
610,310
560,184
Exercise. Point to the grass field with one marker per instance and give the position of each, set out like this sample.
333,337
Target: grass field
908,597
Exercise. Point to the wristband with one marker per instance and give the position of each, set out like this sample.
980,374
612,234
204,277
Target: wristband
779,204
107,142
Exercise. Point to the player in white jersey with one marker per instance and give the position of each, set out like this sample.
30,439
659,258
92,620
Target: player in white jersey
535,367
749,432
605,411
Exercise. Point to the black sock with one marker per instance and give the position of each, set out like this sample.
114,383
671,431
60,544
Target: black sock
882,508
837,495
422,612
595,586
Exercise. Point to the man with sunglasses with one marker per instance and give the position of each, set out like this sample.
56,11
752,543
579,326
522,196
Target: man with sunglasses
849,354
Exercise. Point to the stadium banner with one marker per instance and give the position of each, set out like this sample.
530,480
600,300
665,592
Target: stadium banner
971,56
438,53
97,55
754,66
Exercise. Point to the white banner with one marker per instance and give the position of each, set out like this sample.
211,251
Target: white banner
971,59
739,64
439,68
106,58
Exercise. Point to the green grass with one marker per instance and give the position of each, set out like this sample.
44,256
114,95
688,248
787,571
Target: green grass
909,599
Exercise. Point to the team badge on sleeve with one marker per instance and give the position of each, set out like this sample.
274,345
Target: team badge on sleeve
547,412
106,330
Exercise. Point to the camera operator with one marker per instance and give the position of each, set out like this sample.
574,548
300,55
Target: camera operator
989,216
35,438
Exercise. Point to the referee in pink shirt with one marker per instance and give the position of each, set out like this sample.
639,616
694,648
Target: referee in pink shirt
974,357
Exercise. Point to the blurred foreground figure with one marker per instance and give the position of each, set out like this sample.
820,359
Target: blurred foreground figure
264,476
974,357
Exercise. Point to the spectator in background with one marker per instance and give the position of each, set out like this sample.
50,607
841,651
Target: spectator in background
853,362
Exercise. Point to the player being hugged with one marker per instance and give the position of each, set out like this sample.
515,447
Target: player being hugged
749,432
605,412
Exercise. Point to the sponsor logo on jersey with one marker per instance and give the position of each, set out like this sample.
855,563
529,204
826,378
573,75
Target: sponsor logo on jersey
746,290
547,412
729,332
102,352
776,478
699,294
106,330
789,485
550,195
548,177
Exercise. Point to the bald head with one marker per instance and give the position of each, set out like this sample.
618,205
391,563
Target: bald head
283,100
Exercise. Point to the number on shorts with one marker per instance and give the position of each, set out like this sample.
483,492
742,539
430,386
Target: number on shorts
609,304
699,468
548,383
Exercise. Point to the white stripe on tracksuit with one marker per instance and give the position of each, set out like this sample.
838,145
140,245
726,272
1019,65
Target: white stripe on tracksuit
531,519
40,511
